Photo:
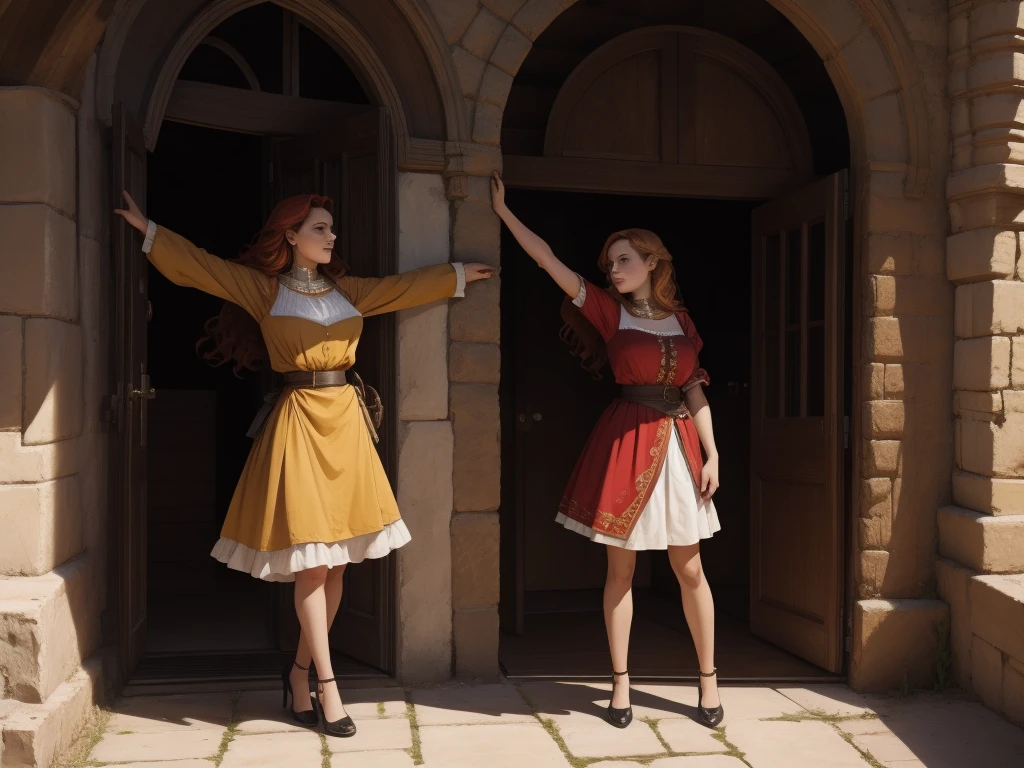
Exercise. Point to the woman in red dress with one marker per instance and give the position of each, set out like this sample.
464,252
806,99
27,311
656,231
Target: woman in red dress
641,482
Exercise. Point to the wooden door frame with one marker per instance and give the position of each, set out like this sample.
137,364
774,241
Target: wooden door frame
728,187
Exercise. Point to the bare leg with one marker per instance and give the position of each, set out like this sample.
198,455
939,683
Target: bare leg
699,609
618,617
303,655
311,607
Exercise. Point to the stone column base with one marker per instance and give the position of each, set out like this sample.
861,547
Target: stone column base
896,643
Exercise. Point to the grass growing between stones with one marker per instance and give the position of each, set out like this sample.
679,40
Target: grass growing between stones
77,755
380,709
416,750
325,752
819,715
733,750
229,733
848,738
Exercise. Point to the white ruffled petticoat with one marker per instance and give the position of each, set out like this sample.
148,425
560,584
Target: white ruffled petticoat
675,514
281,564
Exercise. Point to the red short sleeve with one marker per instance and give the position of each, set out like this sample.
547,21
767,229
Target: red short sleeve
690,330
600,309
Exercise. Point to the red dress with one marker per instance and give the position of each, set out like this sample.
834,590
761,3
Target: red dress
624,455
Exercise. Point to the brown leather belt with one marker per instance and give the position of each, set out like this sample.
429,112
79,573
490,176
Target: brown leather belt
667,399
295,380
314,379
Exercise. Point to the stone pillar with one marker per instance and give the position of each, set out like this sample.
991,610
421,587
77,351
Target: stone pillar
474,368
425,442
981,537
51,593
899,424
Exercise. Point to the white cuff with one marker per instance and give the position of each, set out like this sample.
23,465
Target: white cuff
582,295
460,280
147,244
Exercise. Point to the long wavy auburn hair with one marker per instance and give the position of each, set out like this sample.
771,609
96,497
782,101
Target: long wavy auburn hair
234,335
663,279
583,339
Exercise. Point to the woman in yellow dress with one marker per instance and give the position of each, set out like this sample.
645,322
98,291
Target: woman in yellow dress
313,495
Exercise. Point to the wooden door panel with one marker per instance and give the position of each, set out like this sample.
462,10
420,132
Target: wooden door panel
133,391
354,164
796,470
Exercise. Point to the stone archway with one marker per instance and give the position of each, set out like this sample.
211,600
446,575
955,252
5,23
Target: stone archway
893,100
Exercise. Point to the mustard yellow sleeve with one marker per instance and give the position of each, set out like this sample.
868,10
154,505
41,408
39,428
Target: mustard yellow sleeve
186,264
377,295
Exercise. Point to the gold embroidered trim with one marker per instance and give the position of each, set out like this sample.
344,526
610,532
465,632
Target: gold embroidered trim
660,379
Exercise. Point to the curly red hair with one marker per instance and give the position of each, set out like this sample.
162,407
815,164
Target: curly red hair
235,335
663,278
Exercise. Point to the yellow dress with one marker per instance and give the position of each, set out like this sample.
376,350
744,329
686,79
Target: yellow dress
313,491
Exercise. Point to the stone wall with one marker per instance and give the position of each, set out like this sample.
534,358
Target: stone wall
53,369
981,536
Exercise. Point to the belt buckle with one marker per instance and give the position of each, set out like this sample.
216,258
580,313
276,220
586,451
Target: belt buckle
672,395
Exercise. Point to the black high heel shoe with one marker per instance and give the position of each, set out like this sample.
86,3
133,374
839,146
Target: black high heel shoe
620,718
309,718
342,728
713,716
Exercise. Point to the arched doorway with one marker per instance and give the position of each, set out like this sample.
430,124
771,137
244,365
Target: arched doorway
690,131
263,106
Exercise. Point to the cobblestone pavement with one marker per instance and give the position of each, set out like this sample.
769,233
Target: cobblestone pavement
549,724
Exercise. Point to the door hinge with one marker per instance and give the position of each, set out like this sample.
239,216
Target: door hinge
846,433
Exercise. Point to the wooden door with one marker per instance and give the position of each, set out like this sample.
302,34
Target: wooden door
354,164
797,422
133,391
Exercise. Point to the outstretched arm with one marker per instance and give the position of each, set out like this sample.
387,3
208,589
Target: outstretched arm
187,265
539,250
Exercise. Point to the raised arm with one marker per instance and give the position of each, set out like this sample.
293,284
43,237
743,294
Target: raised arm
187,265
539,250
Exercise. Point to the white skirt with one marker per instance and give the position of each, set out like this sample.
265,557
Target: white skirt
281,564
675,515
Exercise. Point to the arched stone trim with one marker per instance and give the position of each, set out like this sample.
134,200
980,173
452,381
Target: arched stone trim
346,37
862,42
236,58
740,60
324,17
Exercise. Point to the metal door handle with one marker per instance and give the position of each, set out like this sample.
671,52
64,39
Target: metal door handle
537,417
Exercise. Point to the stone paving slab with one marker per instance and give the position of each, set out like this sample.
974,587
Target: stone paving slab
834,700
145,714
689,736
806,744
473,746
168,764
261,712
688,761
274,750
658,702
361,703
392,733
163,745
756,704
941,732
386,759
471,705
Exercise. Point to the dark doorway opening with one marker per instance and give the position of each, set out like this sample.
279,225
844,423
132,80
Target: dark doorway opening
549,406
